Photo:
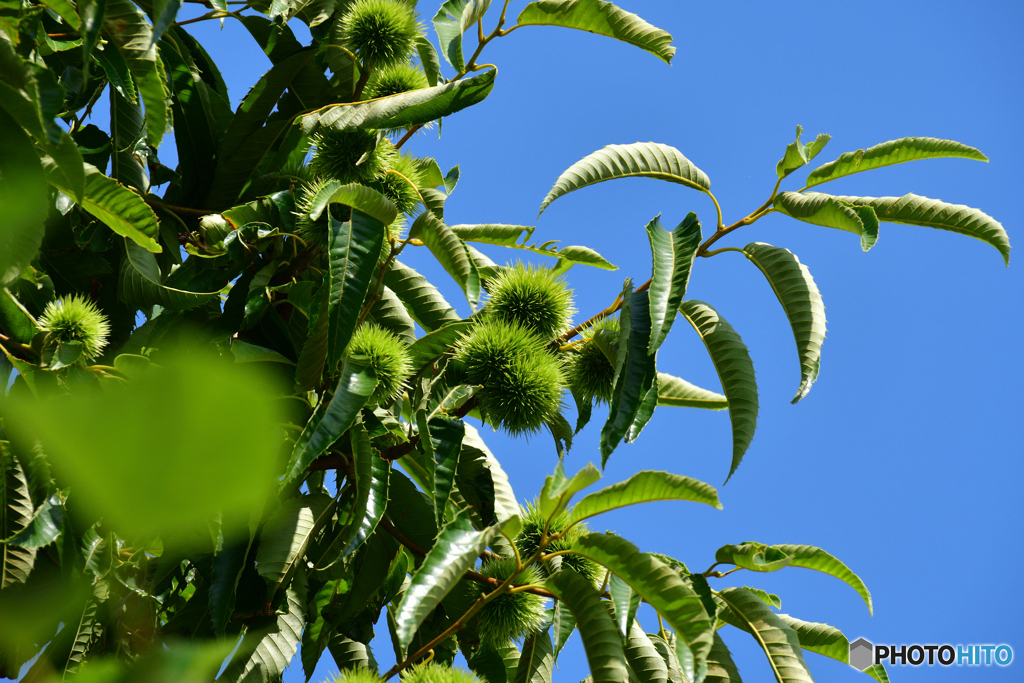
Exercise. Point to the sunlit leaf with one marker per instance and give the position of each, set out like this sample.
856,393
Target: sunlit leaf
602,18
644,487
638,160
451,21
537,659
287,534
831,212
675,391
673,254
798,153
424,303
636,378
365,199
888,153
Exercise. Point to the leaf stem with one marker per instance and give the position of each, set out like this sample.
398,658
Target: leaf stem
181,210
718,208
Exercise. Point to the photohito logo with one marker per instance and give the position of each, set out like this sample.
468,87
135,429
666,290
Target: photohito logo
863,653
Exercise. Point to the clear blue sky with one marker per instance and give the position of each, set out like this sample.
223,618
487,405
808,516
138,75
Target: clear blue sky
905,459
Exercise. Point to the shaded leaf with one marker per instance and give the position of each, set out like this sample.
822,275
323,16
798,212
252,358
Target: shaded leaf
24,196
821,638
756,557
800,298
424,303
659,585
429,61
332,417
778,641
266,650
673,254
625,602
638,160
721,668
16,512
353,248
141,283
537,659
428,348
601,639
636,378
644,659
735,371
287,534
457,547
372,474
602,18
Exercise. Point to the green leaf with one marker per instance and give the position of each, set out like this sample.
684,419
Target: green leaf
889,153
354,247
673,254
798,154
625,602
659,585
675,391
638,160
537,659
828,211
478,465
756,557
18,323
562,624
407,109
266,650
451,21
43,528
228,564
668,656
778,641
877,672
820,638
558,489
127,134
120,208
117,73
141,283
454,552
800,299
510,655
446,436
365,199
428,348
91,13
287,534
429,61
126,25
450,251
602,18
601,639
388,312
424,303
912,209
644,659
735,371
24,196
636,378
350,654
16,511
164,13
332,417
770,599
65,11
372,474
313,356
809,557
721,668
645,487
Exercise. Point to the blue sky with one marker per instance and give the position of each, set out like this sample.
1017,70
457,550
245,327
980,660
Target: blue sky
905,459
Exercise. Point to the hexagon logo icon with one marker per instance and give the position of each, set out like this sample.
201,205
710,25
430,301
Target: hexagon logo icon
862,654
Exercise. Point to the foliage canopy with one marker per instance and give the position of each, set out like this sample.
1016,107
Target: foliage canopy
234,421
